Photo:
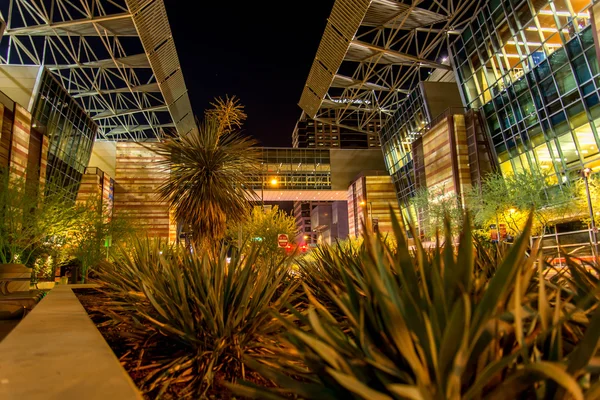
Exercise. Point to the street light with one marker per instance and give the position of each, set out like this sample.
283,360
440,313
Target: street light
586,172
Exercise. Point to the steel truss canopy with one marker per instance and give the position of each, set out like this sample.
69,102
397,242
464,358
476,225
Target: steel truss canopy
373,52
116,57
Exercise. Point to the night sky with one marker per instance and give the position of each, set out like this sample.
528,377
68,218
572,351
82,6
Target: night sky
260,51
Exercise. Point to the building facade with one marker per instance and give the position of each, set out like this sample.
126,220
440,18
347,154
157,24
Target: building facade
47,140
371,196
70,132
531,67
322,133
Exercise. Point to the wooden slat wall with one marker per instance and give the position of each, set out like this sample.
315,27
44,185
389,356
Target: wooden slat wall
137,179
90,187
19,151
355,215
462,153
43,162
438,158
440,166
107,194
381,195
5,135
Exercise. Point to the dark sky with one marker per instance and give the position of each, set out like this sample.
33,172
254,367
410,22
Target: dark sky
260,51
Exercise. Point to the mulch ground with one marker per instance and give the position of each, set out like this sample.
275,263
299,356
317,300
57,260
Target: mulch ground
124,348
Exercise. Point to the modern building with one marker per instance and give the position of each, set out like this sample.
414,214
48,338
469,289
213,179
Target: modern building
371,199
525,71
92,76
323,133
531,68
51,135
117,59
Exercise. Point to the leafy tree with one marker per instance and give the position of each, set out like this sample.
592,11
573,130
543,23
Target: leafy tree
93,229
32,225
263,227
210,173
432,206
509,200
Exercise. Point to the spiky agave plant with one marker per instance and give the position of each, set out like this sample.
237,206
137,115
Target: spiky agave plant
437,326
205,312
209,180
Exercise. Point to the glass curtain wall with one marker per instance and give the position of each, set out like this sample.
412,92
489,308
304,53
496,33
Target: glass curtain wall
531,67
70,131
397,136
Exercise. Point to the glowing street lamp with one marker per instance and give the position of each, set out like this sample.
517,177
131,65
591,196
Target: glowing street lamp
274,182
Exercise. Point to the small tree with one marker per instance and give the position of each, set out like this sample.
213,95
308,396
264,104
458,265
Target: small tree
509,200
432,206
262,228
32,225
95,227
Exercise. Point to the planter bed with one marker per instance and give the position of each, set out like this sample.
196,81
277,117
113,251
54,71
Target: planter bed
136,357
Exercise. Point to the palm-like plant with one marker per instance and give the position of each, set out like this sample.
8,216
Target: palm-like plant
194,316
210,172
439,326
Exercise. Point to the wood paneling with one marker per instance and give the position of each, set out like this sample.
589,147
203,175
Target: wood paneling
379,194
19,150
138,177
44,162
5,135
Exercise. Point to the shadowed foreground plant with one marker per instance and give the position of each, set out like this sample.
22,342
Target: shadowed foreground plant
200,313
438,325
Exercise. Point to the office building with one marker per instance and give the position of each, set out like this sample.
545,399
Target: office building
323,133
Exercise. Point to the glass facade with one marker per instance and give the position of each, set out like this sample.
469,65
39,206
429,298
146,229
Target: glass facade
295,169
397,136
531,67
70,131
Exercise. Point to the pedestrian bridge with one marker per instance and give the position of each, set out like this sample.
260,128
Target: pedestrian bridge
312,174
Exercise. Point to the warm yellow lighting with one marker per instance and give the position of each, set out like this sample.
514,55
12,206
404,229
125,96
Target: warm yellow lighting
362,203
512,210
274,182
305,237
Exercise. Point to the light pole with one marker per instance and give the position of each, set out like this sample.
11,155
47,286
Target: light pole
586,172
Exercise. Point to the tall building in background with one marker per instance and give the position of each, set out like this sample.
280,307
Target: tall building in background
323,133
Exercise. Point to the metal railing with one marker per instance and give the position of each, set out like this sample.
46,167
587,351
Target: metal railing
574,243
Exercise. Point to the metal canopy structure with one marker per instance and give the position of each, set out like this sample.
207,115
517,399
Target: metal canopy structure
116,57
373,52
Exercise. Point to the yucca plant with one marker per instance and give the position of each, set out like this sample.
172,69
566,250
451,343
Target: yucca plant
204,312
439,325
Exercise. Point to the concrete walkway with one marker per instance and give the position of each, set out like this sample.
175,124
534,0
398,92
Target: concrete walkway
56,352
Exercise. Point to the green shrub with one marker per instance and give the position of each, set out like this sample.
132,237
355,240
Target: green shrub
204,312
451,323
